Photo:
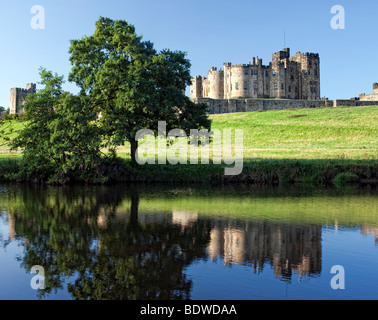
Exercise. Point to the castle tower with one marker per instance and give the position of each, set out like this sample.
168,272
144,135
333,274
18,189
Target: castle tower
239,82
216,83
18,95
309,75
196,90
375,88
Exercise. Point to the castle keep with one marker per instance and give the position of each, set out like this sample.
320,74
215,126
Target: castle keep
286,77
17,96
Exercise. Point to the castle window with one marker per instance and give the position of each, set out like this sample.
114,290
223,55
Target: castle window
245,85
255,72
237,85
245,71
274,72
289,88
276,86
255,86
282,86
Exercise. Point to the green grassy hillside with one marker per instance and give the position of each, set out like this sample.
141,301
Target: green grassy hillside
326,133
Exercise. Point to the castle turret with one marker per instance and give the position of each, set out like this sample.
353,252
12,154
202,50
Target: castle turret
216,80
196,90
375,88
18,95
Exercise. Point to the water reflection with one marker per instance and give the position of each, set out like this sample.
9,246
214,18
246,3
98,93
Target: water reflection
285,247
124,243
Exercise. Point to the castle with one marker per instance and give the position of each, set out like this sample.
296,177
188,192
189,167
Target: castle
370,97
17,96
286,77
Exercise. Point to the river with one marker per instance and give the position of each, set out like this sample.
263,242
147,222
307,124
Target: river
188,242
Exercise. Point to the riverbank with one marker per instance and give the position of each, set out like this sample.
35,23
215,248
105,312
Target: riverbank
262,171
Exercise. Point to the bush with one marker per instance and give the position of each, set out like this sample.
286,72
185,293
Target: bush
344,178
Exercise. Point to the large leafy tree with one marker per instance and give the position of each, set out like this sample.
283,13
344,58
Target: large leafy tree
131,85
61,139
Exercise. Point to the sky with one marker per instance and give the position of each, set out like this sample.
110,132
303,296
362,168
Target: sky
211,32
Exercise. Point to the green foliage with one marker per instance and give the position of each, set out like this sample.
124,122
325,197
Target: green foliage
15,116
131,84
344,178
61,140
9,169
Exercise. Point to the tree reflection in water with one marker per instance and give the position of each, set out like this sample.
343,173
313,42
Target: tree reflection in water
111,254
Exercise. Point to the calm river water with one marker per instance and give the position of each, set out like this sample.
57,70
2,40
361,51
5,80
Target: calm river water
170,242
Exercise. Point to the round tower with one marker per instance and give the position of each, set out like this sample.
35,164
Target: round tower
216,79
240,81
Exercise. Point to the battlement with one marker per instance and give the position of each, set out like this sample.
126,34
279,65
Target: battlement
307,54
214,70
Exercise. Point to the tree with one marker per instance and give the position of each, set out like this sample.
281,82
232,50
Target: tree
132,85
61,139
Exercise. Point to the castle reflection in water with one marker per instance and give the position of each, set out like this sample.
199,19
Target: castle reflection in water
288,248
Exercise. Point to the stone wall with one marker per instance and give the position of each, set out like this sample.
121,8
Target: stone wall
249,105
370,97
355,103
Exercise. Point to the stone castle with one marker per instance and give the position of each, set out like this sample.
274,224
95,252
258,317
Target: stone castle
370,97
17,96
296,77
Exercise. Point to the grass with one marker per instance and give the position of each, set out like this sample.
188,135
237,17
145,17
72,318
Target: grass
253,204
307,145
326,133
322,133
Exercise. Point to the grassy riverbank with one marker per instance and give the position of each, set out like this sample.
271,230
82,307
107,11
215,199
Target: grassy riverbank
327,145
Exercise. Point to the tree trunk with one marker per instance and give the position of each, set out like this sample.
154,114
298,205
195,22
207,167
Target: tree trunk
134,208
133,149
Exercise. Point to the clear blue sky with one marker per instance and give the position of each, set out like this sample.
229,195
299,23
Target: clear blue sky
210,31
